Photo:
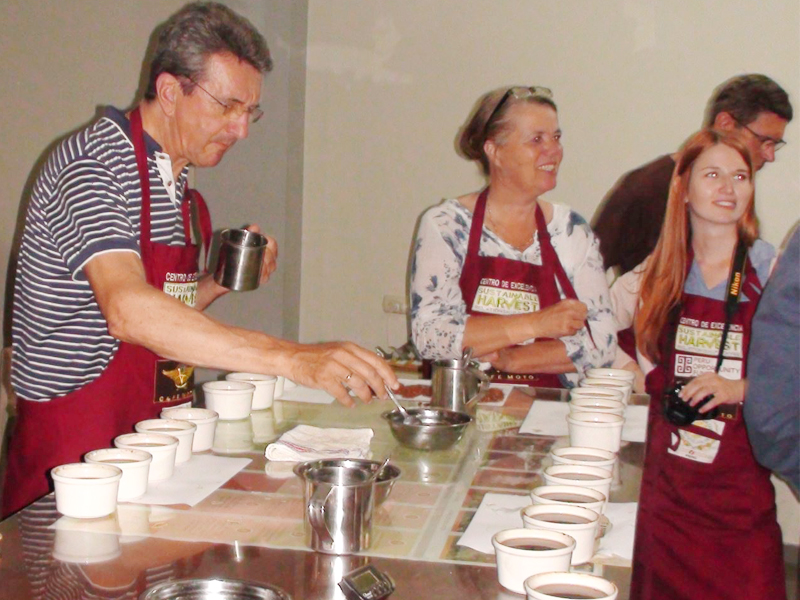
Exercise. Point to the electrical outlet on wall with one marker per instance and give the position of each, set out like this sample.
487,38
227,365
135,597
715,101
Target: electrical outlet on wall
395,304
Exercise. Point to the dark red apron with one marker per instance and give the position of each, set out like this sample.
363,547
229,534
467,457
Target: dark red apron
705,530
137,384
498,285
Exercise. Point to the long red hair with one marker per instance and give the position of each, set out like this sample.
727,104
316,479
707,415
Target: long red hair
665,273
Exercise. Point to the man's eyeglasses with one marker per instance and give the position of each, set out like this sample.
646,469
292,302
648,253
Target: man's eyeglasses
519,93
766,141
233,110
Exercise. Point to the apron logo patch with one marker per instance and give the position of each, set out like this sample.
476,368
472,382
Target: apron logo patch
696,447
182,286
180,376
501,301
690,365
706,340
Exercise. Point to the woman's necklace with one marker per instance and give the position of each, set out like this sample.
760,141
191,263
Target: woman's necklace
500,231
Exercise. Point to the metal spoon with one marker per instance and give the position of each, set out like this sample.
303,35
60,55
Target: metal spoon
407,416
466,356
378,471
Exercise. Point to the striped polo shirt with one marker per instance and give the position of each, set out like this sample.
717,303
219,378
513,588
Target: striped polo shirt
86,201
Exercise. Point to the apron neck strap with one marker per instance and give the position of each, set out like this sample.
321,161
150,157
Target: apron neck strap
193,202
137,135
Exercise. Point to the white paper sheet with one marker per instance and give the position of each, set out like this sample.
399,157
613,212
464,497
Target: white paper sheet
619,541
496,513
550,418
193,480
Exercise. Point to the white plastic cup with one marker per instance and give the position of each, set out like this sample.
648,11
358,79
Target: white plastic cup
205,419
135,466
569,585
163,448
86,490
266,386
181,429
615,384
579,404
515,565
589,457
279,385
575,521
594,478
231,400
571,495
595,430
597,392
607,373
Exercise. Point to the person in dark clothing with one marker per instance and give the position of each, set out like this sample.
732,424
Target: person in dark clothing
629,219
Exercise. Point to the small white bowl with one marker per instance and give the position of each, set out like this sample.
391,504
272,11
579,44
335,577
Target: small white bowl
266,387
589,457
604,405
593,478
279,386
560,584
181,429
605,373
135,466
231,400
86,491
595,430
576,521
162,447
206,421
609,383
516,564
571,495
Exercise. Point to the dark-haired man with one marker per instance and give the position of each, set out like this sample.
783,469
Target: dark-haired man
108,299
629,221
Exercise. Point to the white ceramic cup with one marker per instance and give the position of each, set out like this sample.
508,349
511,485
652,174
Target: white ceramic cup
231,400
135,466
163,448
557,586
607,373
576,521
615,384
181,429
571,495
84,542
515,565
583,404
266,387
589,457
205,419
595,478
597,392
595,430
279,385
86,490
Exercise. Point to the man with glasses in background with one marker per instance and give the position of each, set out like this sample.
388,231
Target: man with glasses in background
108,299
629,221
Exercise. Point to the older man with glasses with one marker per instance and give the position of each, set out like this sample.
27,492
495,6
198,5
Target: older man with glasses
108,298
629,221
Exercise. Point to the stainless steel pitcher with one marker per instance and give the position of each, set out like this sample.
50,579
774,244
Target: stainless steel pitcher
241,253
455,383
339,498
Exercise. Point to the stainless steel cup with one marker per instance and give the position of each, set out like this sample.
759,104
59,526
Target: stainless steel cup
455,382
241,253
339,503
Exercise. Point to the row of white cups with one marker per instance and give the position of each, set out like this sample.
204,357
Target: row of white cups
91,489
564,520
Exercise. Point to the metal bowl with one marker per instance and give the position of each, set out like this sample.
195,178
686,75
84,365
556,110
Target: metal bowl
213,589
433,428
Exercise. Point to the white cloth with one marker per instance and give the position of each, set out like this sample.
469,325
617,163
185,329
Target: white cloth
305,442
438,311
496,513
619,540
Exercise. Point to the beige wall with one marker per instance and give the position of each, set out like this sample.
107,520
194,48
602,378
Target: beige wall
61,60
390,83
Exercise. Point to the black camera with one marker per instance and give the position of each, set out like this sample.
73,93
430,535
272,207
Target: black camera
679,412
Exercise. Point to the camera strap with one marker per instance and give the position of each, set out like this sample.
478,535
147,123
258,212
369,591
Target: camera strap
732,296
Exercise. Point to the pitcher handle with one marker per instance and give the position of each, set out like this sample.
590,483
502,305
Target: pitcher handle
316,514
474,368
